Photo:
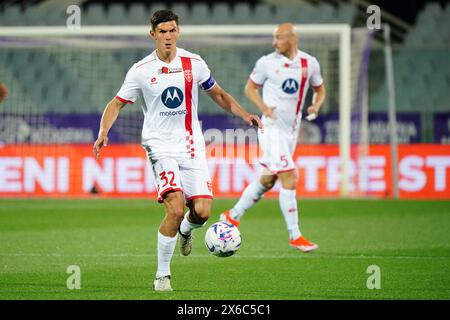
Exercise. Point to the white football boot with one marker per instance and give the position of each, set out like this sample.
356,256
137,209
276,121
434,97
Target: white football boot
185,243
162,284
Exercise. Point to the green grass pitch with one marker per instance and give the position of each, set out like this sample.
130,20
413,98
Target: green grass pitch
114,244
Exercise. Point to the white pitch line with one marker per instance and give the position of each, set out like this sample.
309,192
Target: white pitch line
238,256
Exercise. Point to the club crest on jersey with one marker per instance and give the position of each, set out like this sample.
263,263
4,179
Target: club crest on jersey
188,75
172,97
290,86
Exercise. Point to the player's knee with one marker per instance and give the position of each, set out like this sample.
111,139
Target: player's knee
268,181
175,206
269,184
289,185
202,211
289,180
176,214
202,214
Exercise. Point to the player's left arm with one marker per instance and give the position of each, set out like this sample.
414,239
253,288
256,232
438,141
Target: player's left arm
229,104
318,99
316,82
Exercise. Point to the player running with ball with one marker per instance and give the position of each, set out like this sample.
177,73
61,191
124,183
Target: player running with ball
285,76
168,80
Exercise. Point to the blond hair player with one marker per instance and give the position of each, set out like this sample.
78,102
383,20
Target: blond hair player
284,77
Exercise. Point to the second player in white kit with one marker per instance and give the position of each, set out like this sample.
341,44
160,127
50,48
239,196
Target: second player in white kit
284,84
284,77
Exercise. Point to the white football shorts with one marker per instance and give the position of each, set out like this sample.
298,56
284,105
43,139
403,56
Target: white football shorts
278,149
191,176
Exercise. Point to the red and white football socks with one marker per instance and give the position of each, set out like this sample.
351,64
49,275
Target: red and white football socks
252,194
288,205
166,247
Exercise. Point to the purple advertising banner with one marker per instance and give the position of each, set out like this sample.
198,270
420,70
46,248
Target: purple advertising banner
66,128
409,128
83,128
325,129
441,125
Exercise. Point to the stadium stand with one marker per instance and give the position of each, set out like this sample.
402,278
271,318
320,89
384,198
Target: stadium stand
264,14
96,15
117,14
432,27
182,10
242,13
218,13
136,14
421,65
425,50
200,14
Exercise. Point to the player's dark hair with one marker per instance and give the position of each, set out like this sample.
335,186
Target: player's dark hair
162,16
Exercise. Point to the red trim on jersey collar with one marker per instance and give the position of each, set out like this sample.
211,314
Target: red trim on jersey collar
177,54
144,63
189,58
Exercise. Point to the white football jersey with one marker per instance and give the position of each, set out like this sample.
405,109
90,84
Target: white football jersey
284,85
170,102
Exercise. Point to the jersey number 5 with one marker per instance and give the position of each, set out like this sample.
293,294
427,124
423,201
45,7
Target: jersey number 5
284,160
164,178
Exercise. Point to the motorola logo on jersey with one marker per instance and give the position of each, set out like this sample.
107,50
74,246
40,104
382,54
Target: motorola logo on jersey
172,97
290,86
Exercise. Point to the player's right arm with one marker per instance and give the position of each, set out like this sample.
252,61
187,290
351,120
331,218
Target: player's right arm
254,83
253,94
3,91
109,116
128,93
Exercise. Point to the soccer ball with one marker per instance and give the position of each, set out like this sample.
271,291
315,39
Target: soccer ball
222,239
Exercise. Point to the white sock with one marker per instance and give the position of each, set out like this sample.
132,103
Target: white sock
166,247
252,194
186,226
288,204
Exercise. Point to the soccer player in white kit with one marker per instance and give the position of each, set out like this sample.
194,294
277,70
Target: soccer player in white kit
168,80
285,76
